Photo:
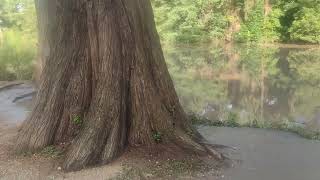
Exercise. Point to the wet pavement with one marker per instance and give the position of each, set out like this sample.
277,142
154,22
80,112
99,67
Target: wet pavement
13,110
267,154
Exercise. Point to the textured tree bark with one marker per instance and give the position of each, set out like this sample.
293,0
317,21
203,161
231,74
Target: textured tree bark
106,70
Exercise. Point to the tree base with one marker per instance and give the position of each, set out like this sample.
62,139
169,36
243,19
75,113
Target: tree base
106,86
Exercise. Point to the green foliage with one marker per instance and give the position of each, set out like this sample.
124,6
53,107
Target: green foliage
17,53
272,26
200,120
252,28
157,137
232,120
18,15
190,21
259,27
289,21
306,26
77,120
17,39
51,151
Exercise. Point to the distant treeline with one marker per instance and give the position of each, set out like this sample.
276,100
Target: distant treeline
189,21
18,38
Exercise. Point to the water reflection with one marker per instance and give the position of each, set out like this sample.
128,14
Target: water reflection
258,85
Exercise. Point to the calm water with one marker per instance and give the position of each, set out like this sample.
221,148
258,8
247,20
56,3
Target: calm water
254,84
251,84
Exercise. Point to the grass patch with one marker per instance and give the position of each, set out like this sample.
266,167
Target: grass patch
305,133
199,120
170,169
232,121
51,151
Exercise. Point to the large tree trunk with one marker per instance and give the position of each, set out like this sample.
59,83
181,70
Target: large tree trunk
105,86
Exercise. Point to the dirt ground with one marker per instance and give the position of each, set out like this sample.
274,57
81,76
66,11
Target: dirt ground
136,164
37,166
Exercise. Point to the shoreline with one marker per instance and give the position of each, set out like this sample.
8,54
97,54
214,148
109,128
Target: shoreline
231,43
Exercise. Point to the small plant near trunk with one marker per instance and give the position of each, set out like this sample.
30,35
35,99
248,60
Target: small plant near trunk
51,151
157,137
77,120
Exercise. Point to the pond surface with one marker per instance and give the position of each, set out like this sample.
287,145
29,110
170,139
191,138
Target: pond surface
256,85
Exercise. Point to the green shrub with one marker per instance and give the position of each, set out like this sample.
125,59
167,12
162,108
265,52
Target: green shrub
51,151
252,28
306,26
157,137
77,120
200,120
232,120
190,21
17,53
272,26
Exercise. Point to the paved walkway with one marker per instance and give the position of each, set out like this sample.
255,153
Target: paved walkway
267,154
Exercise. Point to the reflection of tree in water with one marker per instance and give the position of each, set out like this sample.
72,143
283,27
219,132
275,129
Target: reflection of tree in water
306,67
258,83
194,71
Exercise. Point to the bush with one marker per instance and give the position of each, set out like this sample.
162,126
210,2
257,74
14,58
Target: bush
17,53
251,29
232,120
258,27
272,26
190,21
306,26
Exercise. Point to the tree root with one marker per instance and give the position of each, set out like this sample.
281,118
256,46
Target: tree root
24,96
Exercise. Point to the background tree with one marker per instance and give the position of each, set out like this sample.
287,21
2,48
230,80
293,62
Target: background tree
17,39
105,86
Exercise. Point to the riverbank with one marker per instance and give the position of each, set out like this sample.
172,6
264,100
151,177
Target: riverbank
230,122
221,43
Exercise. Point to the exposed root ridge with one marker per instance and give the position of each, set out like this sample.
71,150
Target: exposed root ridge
24,96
